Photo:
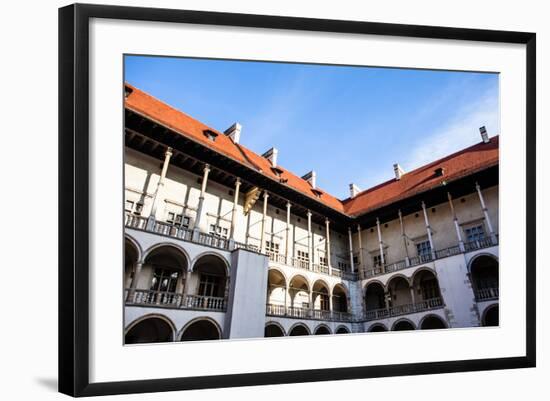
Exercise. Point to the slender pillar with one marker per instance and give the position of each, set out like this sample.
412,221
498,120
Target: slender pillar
152,216
350,238
309,240
455,221
413,296
486,213
380,244
286,297
135,279
330,306
360,243
201,196
404,237
287,242
264,216
234,211
428,229
327,245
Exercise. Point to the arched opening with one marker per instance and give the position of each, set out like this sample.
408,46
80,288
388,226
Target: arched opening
339,299
208,288
299,296
131,256
276,292
491,316
150,330
342,330
374,297
299,330
427,289
201,330
403,325
321,330
320,298
376,328
273,330
166,267
400,292
484,274
432,323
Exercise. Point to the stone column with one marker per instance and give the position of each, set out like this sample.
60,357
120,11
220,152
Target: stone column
428,229
327,245
234,211
404,236
350,238
380,244
309,240
201,198
153,215
455,221
360,243
264,216
486,213
413,296
135,279
287,239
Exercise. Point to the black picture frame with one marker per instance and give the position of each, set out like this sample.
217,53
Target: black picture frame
74,200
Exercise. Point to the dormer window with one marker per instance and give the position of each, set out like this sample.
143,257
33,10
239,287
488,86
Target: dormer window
277,171
317,192
127,91
210,134
439,171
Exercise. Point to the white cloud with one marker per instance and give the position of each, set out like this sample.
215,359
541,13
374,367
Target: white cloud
460,132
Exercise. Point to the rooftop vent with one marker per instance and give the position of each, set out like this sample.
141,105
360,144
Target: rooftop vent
484,134
439,171
127,91
234,132
210,134
398,171
311,177
271,155
353,190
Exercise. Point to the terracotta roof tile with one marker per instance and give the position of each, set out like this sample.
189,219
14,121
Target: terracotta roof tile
459,164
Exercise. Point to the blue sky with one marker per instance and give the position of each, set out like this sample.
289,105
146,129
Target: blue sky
349,124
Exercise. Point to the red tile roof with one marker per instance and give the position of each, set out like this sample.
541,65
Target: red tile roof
457,165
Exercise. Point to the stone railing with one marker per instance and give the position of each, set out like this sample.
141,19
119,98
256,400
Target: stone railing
175,231
426,258
174,300
398,310
486,294
295,312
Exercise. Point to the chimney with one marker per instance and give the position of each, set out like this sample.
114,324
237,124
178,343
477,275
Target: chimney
234,132
311,177
271,155
484,134
353,190
398,171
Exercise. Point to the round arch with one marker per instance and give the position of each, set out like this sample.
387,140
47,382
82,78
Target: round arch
481,255
212,256
432,322
484,275
374,296
280,272
131,241
168,245
422,270
151,328
340,296
426,284
274,329
377,327
299,329
300,278
321,330
399,288
371,282
396,277
200,329
490,317
342,330
402,324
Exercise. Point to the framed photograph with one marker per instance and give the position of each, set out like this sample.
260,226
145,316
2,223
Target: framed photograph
251,199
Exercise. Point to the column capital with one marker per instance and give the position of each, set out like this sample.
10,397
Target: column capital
309,213
349,230
377,221
288,205
266,194
237,182
423,205
477,186
327,221
358,227
206,167
168,151
399,213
